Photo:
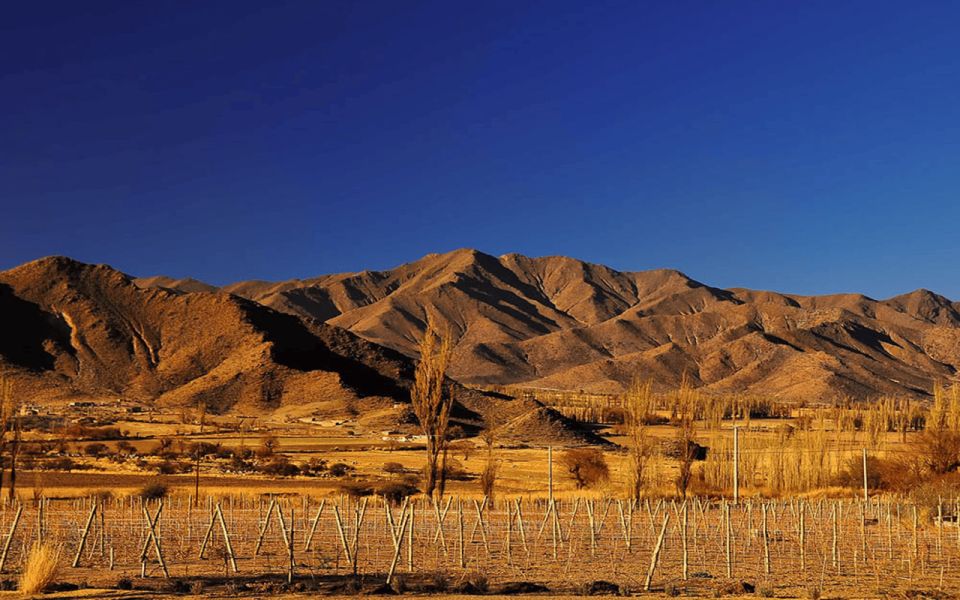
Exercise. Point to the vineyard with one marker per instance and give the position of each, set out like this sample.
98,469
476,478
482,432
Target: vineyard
782,548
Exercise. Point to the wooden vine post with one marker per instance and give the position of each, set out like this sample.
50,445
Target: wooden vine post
655,556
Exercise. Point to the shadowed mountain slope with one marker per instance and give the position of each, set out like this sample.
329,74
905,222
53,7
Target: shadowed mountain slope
73,328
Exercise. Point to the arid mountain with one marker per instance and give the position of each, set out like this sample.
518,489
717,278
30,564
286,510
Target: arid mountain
561,323
73,330
70,329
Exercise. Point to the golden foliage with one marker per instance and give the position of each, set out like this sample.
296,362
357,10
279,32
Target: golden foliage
430,404
39,569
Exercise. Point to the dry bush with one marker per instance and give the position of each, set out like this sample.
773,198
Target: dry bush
586,466
884,474
488,477
153,491
339,469
395,491
939,449
356,489
393,468
268,445
40,568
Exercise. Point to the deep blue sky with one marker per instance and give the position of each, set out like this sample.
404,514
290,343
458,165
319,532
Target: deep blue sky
809,147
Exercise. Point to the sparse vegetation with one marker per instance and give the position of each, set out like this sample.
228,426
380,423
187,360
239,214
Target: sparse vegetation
638,408
587,467
39,569
154,491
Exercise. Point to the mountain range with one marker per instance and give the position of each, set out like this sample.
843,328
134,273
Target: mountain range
557,322
71,329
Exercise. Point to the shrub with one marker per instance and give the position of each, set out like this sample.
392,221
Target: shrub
882,474
168,467
939,450
153,491
478,582
412,479
125,448
586,466
96,450
314,466
40,568
81,432
356,489
60,464
164,448
280,467
240,465
267,446
440,581
454,471
204,449
340,469
395,491
393,468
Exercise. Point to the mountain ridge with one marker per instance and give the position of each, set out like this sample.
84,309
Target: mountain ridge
560,322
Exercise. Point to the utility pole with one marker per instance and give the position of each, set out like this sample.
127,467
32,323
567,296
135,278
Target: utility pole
196,481
550,472
736,464
866,497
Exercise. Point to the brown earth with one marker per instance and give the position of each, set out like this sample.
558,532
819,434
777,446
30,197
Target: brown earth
557,322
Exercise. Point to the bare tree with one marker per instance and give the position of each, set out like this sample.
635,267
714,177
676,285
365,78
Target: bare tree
686,436
431,405
488,478
638,408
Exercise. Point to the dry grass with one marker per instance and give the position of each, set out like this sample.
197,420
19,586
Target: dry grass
40,568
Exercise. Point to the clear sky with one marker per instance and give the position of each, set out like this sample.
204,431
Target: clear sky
808,147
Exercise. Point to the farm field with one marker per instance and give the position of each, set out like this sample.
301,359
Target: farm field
591,539
248,545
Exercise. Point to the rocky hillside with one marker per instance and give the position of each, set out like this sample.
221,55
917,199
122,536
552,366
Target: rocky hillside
72,329
562,323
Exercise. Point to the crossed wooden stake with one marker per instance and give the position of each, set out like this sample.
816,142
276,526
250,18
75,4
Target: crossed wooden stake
216,517
152,536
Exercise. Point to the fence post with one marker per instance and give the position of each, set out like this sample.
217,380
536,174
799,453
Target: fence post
866,497
766,540
683,540
736,464
13,530
83,536
290,544
656,553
